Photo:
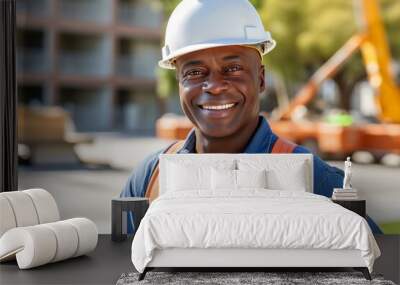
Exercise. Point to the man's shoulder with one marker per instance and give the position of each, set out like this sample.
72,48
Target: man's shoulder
150,159
301,149
140,176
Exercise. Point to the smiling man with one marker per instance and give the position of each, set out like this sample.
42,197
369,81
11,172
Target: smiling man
216,48
219,90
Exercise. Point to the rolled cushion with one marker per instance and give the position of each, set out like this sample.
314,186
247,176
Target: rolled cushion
40,244
87,234
27,208
23,208
45,205
33,246
7,218
67,239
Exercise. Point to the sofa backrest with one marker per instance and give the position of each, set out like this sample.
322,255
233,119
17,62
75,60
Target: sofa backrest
285,171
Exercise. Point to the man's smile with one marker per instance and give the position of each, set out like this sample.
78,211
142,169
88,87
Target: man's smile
214,109
217,106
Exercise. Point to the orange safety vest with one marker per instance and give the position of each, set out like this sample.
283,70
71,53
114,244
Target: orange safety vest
152,191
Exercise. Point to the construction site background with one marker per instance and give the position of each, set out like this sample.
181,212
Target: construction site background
87,72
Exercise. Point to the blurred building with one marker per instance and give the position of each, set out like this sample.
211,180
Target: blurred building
95,58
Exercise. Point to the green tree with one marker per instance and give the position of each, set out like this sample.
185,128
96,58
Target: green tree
309,32
166,81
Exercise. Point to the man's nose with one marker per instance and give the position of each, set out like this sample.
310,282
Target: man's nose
215,84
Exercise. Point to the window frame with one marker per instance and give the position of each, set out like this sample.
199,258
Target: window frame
8,98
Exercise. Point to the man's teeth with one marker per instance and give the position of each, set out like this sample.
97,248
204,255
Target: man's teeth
218,107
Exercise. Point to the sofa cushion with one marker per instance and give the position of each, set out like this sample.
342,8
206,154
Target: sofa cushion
230,180
251,178
282,174
192,175
223,179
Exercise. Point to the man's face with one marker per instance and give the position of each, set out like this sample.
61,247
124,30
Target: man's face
219,88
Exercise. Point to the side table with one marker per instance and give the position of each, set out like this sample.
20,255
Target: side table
357,206
137,205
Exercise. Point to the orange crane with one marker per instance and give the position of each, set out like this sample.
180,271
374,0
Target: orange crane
329,138
376,55
332,139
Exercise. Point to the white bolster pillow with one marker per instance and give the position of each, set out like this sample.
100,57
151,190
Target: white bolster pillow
40,244
32,246
45,205
87,235
26,208
7,219
23,208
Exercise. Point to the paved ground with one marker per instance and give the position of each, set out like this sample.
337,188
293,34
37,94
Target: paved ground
87,191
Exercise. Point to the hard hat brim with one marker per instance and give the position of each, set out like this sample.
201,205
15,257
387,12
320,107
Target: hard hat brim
168,62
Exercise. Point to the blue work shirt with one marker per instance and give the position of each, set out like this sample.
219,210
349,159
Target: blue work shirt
326,177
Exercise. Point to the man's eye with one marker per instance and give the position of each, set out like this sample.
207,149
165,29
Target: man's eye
233,68
193,73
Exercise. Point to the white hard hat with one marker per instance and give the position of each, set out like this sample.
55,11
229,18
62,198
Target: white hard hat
201,24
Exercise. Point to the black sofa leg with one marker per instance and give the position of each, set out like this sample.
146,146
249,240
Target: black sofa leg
143,274
364,271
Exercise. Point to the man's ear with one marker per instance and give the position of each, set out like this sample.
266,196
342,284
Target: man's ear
261,77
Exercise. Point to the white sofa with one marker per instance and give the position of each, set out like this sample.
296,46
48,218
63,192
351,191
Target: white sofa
31,231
